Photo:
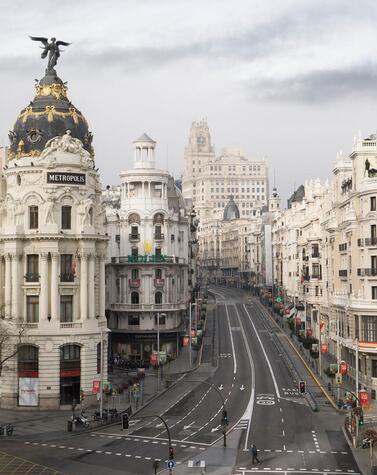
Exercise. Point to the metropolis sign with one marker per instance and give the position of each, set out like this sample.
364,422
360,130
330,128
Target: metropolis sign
61,178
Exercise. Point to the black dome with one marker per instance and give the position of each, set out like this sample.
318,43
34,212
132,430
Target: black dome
231,210
50,114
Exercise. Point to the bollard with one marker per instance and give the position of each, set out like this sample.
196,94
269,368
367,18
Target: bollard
69,426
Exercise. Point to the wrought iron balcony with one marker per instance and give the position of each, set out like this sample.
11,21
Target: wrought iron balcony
32,277
159,236
367,272
67,277
343,273
372,241
134,237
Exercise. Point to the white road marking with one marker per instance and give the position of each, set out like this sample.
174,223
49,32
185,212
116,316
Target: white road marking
232,342
265,354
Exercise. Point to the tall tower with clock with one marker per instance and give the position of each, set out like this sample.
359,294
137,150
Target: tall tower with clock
198,153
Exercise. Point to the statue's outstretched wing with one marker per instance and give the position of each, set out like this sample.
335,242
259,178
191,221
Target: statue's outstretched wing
62,43
39,38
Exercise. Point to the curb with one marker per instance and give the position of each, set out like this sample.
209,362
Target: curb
353,452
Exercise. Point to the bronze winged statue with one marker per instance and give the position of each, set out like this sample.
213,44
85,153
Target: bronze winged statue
51,49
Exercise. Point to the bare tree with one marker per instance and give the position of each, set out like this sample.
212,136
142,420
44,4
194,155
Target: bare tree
11,336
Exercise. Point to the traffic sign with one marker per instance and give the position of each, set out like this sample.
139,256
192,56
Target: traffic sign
170,464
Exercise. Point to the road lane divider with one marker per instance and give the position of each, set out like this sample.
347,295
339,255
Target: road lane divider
231,341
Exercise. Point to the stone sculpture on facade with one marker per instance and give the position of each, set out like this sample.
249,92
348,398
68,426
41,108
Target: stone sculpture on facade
65,143
49,208
372,172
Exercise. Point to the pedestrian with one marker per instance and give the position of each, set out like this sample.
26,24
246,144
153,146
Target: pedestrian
254,453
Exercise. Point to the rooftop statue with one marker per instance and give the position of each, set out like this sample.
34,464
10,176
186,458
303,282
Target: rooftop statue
51,49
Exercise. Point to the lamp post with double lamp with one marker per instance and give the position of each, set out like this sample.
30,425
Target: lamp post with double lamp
190,337
159,315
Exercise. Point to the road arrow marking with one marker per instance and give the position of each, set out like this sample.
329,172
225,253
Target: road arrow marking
189,426
221,387
159,425
216,428
242,388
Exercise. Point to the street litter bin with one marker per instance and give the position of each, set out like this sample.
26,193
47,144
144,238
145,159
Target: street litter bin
69,426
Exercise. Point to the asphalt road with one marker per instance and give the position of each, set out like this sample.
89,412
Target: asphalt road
263,407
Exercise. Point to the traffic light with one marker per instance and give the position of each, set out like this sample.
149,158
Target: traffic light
361,419
302,387
125,421
171,453
225,419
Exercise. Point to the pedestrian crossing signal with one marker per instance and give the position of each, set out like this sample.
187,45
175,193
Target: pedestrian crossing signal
302,387
171,453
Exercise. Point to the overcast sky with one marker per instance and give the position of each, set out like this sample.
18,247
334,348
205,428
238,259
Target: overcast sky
291,80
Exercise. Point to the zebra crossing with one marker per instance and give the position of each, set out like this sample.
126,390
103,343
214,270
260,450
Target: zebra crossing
242,424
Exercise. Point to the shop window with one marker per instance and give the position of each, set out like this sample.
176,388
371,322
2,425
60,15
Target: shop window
374,368
27,357
32,308
33,217
70,374
135,298
66,308
66,217
134,251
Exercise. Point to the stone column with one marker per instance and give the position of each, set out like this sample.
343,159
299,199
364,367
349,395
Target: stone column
43,296
8,286
55,301
15,286
84,287
91,303
102,289
149,189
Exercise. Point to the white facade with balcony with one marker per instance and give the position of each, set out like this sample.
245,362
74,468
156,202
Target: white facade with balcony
148,271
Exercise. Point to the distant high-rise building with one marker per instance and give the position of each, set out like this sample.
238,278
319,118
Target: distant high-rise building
209,180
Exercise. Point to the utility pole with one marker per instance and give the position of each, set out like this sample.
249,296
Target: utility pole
190,335
319,344
158,351
101,378
357,368
338,351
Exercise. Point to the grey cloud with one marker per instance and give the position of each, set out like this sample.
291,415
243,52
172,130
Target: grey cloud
319,86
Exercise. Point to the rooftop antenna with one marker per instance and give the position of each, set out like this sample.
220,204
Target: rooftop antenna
274,178
167,158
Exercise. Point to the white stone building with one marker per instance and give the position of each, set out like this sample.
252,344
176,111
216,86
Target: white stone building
52,255
325,258
149,268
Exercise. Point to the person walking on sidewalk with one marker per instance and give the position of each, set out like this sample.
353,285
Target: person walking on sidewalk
254,454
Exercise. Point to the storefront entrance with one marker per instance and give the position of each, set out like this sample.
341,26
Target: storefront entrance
70,374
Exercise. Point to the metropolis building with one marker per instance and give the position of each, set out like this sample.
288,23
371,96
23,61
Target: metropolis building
149,270
52,254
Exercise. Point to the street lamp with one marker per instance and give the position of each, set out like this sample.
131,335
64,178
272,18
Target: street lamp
190,324
158,348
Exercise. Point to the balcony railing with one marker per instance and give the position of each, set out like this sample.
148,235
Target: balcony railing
305,258
124,307
159,236
316,255
67,277
134,283
367,242
159,282
343,273
366,272
134,237
317,276
31,277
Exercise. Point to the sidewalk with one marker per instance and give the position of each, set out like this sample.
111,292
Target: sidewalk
54,423
361,455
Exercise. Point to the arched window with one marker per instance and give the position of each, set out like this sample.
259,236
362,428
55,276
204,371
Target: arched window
133,218
158,218
70,353
135,298
158,274
28,356
158,298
